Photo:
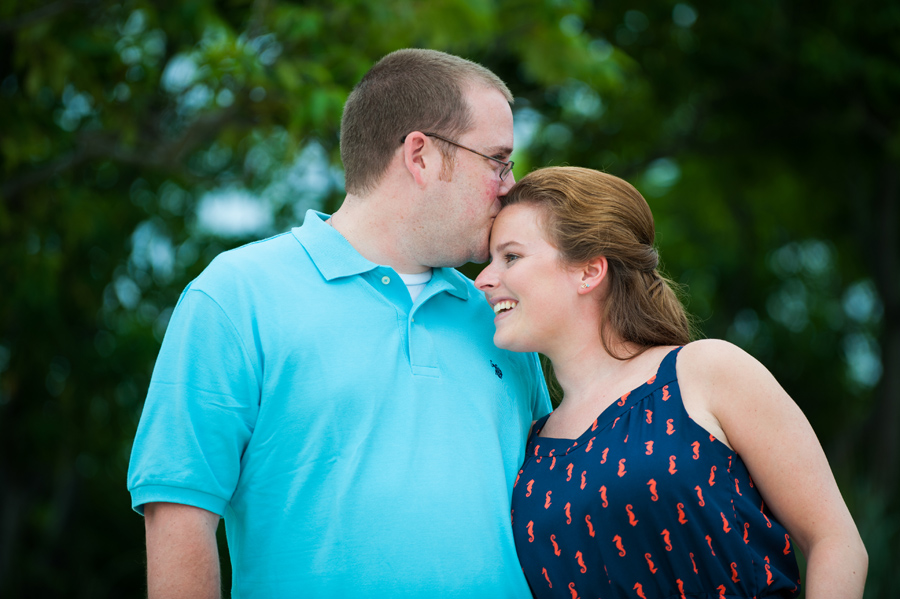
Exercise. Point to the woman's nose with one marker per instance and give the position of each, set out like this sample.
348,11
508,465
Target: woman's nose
485,279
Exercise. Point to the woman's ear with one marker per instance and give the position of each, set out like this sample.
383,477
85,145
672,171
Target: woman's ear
593,274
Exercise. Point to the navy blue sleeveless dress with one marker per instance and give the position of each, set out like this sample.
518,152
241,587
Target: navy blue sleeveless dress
646,504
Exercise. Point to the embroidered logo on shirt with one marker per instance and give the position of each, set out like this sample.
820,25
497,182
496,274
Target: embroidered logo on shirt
497,370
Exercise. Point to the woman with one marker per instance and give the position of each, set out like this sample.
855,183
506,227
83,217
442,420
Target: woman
669,469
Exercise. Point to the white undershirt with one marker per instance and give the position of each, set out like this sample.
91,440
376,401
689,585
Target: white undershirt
416,282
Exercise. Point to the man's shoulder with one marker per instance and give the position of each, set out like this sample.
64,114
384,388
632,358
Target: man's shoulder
255,257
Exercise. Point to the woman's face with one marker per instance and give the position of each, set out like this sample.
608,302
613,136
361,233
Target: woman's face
531,291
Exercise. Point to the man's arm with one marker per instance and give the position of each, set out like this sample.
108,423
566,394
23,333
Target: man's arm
182,555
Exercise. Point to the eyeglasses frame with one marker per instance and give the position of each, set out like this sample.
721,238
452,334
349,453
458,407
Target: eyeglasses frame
507,166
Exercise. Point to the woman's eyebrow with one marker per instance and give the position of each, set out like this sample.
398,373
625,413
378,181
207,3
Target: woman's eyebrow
505,245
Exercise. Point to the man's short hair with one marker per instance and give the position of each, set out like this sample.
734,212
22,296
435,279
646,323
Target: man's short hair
407,90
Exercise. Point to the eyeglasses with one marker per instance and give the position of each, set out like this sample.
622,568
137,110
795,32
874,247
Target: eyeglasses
505,167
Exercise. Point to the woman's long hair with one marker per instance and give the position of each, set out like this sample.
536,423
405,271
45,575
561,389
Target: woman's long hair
588,214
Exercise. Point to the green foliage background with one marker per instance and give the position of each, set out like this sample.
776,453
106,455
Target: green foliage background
764,134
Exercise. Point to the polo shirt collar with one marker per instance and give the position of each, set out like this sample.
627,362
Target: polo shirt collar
451,281
335,257
330,252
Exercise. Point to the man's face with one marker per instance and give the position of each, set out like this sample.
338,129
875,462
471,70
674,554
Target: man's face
464,207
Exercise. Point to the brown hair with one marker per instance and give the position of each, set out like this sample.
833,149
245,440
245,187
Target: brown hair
407,90
588,214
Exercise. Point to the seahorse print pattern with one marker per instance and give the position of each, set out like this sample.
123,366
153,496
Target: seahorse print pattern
672,513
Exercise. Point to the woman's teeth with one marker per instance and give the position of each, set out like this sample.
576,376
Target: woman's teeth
504,306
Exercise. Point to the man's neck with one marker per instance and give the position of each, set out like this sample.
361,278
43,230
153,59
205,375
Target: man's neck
377,233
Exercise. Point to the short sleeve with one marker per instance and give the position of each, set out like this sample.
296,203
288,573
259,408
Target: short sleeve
199,413
541,405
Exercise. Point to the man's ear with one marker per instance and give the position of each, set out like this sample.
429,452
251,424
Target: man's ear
593,274
419,157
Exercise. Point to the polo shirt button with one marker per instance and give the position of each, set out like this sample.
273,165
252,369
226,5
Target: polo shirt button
412,319
385,280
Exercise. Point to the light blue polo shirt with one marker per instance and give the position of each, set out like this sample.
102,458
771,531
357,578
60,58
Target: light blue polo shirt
357,444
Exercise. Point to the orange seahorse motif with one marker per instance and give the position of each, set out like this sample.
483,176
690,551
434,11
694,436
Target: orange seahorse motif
651,380
746,533
653,568
665,535
547,499
787,545
670,426
709,542
603,496
696,446
614,422
536,448
631,519
553,463
721,588
528,487
649,416
569,472
725,526
589,445
680,584
649,445
618,541
700,495
769,577
530,528
589,525
622,399
734,573
693,563
547,578
578,558
626,439
666,395
555,546
672,468
573,591
640,590
712,476
737,488
517,478
652,484
682,519
583,474
594,426
568,513
622,467
603,455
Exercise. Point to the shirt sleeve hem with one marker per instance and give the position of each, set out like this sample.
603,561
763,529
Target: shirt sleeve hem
164,493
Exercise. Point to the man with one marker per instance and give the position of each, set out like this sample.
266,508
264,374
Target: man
334,392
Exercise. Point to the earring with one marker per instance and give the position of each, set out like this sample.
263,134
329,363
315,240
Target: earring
585,285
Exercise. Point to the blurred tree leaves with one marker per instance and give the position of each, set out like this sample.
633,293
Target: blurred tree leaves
764,135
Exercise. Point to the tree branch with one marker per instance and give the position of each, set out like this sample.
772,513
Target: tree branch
47,11
152,153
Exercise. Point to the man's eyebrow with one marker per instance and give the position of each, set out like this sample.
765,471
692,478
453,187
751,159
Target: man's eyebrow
502,150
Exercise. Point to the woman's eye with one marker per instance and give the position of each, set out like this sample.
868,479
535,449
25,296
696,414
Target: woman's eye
510,257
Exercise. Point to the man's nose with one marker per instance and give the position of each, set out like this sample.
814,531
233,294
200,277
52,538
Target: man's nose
507,183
